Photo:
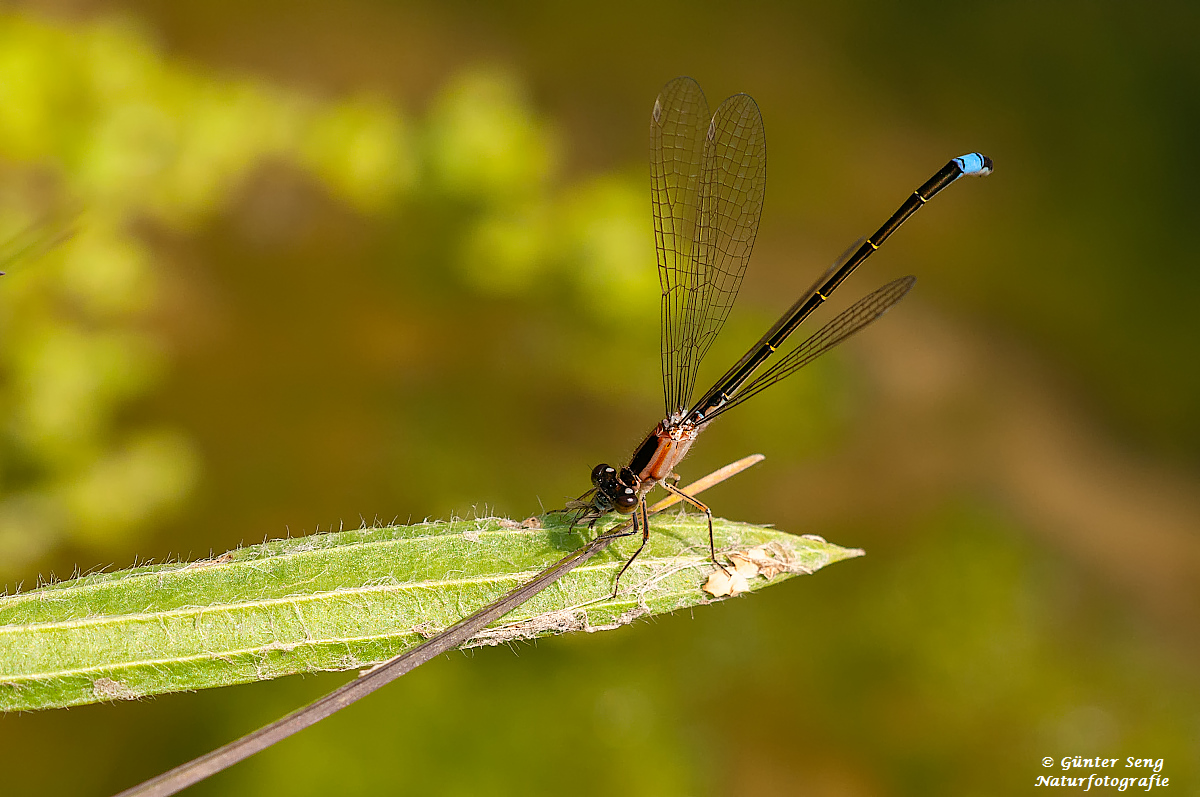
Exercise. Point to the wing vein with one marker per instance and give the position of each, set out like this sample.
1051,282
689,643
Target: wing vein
708,181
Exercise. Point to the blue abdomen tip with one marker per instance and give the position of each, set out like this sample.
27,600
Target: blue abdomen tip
975,163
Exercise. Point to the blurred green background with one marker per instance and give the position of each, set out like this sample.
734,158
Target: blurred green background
278,267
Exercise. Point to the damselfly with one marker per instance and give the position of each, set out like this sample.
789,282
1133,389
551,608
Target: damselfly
708,177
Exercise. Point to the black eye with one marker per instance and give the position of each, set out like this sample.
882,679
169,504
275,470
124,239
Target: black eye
602,473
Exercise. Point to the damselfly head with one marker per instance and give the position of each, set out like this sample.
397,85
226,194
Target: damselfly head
615,489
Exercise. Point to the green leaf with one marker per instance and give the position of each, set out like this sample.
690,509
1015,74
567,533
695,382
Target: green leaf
351,599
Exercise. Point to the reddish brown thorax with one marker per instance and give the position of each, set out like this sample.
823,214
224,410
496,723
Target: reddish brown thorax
664,448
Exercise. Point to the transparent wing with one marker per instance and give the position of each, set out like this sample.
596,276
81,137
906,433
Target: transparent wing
787,317
677,133
851,320
700,277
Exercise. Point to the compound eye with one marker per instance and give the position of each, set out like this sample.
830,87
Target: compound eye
626,499
603,473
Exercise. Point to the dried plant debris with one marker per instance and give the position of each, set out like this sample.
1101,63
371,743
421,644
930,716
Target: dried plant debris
765,561
108,689
527,523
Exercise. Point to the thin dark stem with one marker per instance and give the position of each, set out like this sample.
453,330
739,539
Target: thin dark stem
196,770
